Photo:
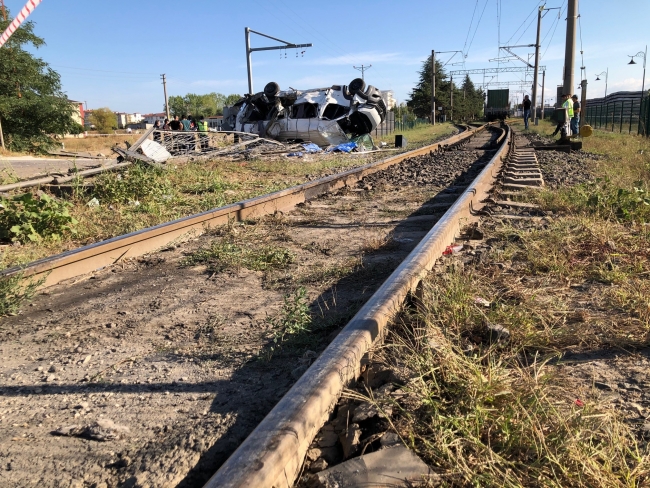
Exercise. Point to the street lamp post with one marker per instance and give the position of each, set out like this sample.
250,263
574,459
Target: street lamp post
606,73
644,55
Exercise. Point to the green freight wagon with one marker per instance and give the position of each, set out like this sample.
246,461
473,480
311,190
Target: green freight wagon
498,105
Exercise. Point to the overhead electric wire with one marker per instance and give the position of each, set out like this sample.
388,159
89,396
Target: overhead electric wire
313,32
107,71
558,23
525,20
469,29
477,26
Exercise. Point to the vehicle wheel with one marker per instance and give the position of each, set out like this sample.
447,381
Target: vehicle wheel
271,89
357,85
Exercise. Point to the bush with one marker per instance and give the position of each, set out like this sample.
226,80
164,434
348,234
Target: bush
28,217
13,292
140,183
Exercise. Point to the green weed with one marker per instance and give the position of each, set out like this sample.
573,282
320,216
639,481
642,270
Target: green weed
139,183
14,292
222,255
30,218
294,318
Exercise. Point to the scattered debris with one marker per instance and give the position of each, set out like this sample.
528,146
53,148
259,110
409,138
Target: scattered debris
396,466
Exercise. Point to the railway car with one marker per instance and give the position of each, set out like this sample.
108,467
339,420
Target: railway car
498,105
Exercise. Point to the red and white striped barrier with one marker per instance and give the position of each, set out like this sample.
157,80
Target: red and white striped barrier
20,18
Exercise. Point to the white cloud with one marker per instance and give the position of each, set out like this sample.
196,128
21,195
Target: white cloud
357,58
628,84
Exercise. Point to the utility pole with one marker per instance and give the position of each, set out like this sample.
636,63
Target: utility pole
451,98
433,87
2,138
583,104
570,49
250,50
164,83
535,74
363,69
543,83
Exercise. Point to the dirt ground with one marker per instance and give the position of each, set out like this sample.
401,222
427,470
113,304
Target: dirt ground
151,373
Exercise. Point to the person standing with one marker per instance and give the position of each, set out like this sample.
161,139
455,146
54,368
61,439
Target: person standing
575,120
175,125
563,127
187,125
156,132
203,133
526,104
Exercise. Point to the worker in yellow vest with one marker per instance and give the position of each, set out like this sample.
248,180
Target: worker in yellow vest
203,133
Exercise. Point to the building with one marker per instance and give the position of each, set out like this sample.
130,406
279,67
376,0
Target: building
389,98
151,118
124,119
78,115
215,122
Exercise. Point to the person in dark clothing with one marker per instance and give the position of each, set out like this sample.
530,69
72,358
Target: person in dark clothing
575,120
166,125
527,105
157,137
176,125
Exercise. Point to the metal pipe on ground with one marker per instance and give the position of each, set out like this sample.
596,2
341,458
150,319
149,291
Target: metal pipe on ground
273,453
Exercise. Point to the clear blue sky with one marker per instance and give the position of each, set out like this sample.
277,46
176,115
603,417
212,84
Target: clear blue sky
199,44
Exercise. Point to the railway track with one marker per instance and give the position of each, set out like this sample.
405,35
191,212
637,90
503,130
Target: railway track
184,352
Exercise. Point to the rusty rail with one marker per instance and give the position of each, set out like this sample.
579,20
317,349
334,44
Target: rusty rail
273,453
105,253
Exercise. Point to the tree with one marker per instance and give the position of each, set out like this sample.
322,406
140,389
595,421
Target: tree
104,120
200,105
468,101
33,107
420,98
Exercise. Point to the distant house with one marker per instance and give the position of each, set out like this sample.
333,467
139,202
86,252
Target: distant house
124,119
215,122
389,98
78,115
151,118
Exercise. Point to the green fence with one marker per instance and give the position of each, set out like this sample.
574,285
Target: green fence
625,116
410,124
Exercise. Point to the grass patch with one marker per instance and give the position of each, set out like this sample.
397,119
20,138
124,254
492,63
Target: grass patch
221,256
15,291
495,414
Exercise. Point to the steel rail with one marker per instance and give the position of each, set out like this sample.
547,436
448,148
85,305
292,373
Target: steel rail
272,455
95,256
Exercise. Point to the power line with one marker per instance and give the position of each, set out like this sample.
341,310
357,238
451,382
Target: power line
105,71
524,22
469,29
558,23
477,25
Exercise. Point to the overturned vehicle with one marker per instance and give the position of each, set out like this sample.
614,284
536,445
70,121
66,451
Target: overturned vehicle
324,116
